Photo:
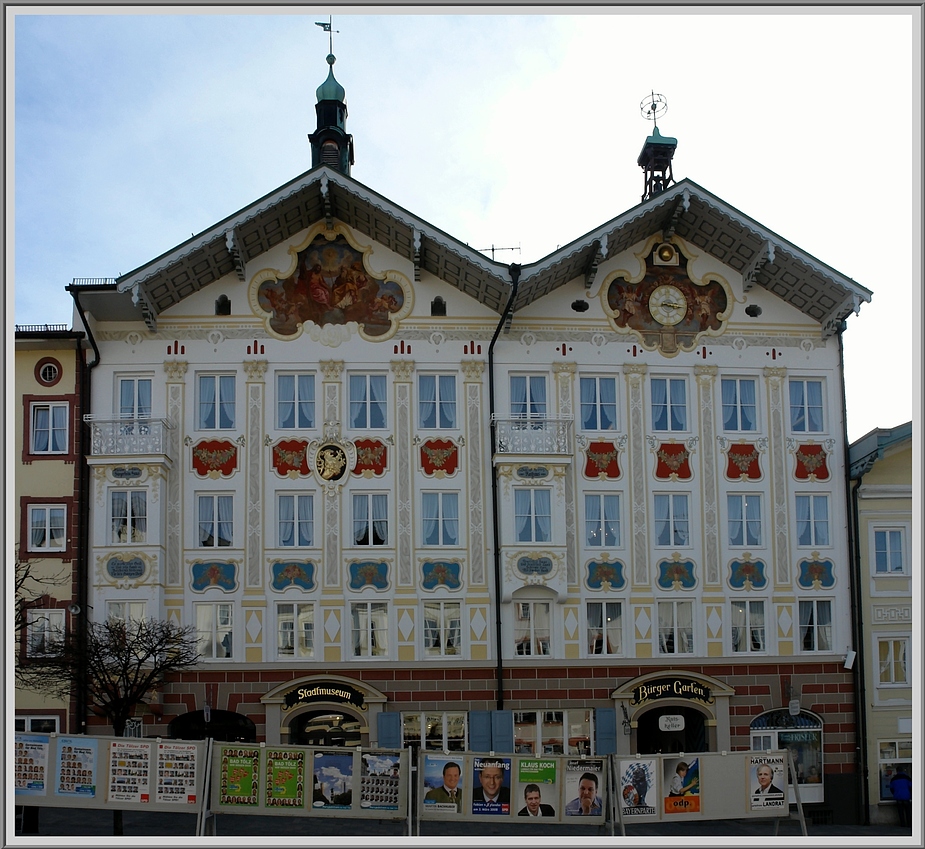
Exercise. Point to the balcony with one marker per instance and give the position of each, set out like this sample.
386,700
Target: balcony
533,436
128,437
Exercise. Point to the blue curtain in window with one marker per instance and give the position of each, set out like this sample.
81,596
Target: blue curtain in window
377,401
518,397
747,404
523,509
730,409
226,401
588,390
41,429
430,504
608,389
306,400
659,404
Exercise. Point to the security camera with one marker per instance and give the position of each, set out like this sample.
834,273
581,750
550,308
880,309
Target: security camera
849,658
73,609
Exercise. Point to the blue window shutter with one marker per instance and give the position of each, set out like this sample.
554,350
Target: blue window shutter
605,731
480,731
502,730
388,727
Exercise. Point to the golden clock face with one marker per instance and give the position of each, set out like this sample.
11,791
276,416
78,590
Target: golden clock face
667,305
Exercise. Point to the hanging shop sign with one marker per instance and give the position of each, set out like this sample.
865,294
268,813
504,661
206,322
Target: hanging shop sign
671,688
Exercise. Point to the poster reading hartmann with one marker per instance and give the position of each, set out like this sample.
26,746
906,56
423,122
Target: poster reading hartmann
380,781
767,781
176,773
129,771
31,764
491,786
682,785
332,774
285,773
584,787
638,788
239,776
536,792
76,767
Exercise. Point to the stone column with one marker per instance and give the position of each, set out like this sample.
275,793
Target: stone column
173,545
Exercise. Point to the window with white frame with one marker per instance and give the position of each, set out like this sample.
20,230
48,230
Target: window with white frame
531,628
812,520
889,551
816,625
295,401
892,655
437,401
214,623
748,626
440,515
367,401
443,731
295,630
806,410
672,521
47,527
605,627
49,428
675,627
602,520
370,519
553,732
295,520
802,735
128,516
533,514
598,403
669,403
744,520
134,404
739,404
442,632
893,754
528,396
370,628
37,724
44,631
126,612
216,520
216,401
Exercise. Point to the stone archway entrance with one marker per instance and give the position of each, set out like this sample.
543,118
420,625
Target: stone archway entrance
326,728
670,729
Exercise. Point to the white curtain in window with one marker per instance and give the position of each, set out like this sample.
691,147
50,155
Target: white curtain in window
380,520
207,402
678,405
357,401
807,626
450,519
430,503
225,510
804,529
543,515
614,627
204,626
226,401
814,405
738,623
427,400
797,406
127,399
523,509
595,627
377,401
518,397
608,389
119,516
753,520
821,520
588,391
139,515
537,398
306,400
824,626
144,398
59,427
285,400
306,520
447,401
756,625
747,404
666,641
681,526
56,529
662,525
286,520
730,408
206,521
685,627
39,527
593,520
41,428
659,404
734,507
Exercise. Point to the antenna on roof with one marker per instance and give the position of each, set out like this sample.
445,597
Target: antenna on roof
327,28
493,249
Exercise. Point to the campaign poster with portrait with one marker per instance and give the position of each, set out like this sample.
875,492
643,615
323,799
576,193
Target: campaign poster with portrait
76,767
682,785
491,786
443,784
239,776
332,780
380,781
129,771
584,778
536,791
176,773
285,778
767,781
31,764
638,788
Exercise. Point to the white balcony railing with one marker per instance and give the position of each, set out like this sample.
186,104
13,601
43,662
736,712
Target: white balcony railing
128,437
533,436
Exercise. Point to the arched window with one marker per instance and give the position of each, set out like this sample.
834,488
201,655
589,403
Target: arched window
802,735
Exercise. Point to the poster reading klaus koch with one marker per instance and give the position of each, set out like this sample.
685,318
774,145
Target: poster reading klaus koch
767,781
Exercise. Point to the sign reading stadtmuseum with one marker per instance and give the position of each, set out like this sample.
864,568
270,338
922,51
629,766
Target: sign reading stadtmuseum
672,688
325,692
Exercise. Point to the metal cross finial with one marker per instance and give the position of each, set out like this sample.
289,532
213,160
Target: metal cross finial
327,28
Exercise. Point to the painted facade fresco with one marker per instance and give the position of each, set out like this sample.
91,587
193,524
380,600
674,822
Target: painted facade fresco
330,285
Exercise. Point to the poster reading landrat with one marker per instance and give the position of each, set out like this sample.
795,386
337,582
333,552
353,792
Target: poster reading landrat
239,776
285,772
767,781
129,771
76,767
176,773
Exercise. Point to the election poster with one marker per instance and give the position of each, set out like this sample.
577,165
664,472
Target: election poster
638,788
443,784
332,779
31,764
176,773
77,766
584,778
767,781
537,791
380,781
682,785
285,778
239,776
129,771
491,786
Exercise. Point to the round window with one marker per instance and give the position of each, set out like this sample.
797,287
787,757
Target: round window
48,371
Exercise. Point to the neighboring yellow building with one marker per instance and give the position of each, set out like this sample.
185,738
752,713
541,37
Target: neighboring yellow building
49,370
881,471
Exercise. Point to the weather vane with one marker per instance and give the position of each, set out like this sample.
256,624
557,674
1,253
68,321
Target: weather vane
653,107
327,28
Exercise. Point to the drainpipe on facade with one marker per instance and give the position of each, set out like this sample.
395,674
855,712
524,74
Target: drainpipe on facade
83,551
857,618
514,271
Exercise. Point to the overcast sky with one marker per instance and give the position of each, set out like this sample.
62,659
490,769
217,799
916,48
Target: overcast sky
134,131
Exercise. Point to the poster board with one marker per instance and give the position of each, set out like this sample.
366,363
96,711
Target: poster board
127,773
317,781
702,786
465,786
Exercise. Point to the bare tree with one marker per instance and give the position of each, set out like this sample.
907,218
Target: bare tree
31,590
